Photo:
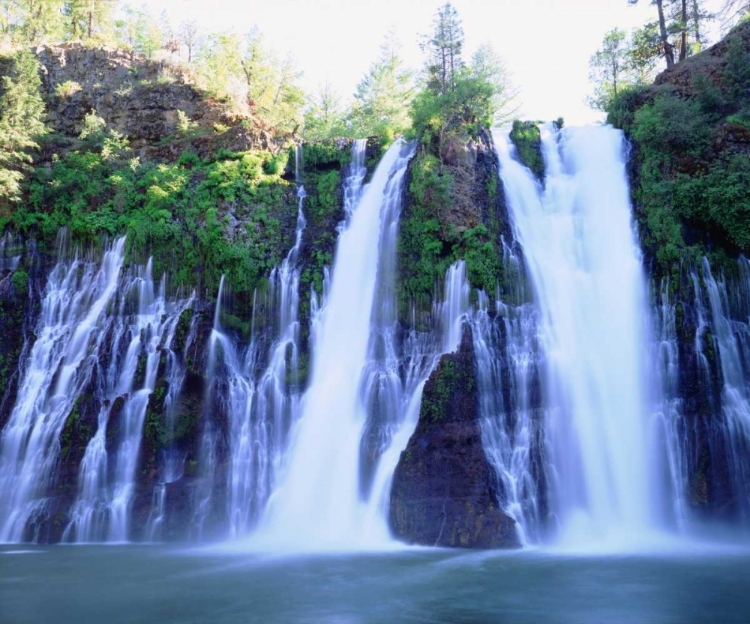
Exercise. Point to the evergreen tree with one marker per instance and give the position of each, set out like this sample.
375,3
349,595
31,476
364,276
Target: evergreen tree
487,66
644,52
89,19
325,115
21,115
681,27
32,21
666,45
383,96
444,47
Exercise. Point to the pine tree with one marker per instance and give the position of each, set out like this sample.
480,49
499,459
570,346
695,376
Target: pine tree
666,45
383,96
487,66
89,19
325,116
21,115
444,47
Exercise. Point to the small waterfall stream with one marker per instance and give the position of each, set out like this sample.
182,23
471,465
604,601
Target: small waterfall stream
71,329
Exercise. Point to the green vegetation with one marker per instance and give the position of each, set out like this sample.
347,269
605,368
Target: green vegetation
693,190
452,206
527,138
199,219
322,165
21,122
451,376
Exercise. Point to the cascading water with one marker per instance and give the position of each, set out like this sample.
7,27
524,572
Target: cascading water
260,387
729,313
507,355
584,265
670,426
172,460
321,486
102,509
70,333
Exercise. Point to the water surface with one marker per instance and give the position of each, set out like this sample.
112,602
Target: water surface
160,584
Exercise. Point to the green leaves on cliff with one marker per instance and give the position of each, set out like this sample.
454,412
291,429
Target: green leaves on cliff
693,190
431,239
198,219
527,138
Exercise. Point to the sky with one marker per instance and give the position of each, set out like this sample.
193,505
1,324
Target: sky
546,44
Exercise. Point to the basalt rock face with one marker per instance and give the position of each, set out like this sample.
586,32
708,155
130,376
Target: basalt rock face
143,100
443,490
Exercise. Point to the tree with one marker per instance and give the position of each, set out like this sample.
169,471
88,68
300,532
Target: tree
383,96
644,52
31,21
88,19
686,21
189,34
698,15
666,45
21,115
139,30
732,10
443,47
245,70
487,66
325,115
607,69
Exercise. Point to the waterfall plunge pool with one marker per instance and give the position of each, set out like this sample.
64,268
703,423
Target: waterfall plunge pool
136,584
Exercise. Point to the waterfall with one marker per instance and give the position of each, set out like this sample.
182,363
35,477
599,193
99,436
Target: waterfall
172,459
670,425
729,327
584,263
508,365
70,333
105,496
318,503
259,386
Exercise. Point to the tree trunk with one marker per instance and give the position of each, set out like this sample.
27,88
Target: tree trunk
668,52
91,19
696,22
683,37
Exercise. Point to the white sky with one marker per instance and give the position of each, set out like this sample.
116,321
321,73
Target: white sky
546,44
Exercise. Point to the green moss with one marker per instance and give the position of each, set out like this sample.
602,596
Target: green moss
527,138
324,155
450,376
429,242
20,282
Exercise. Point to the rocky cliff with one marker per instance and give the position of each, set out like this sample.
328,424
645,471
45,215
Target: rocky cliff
148,102
443,491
